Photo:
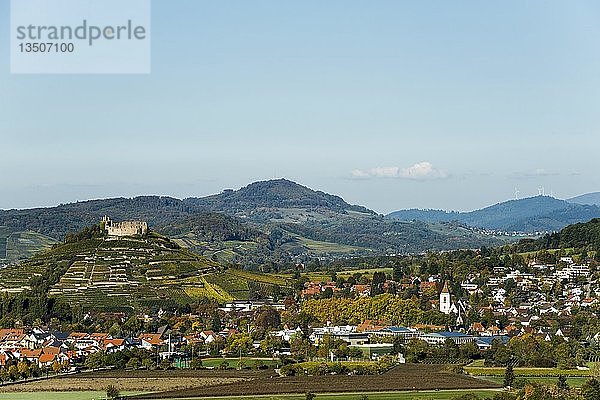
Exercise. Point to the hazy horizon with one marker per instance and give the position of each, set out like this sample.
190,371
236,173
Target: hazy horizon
540,190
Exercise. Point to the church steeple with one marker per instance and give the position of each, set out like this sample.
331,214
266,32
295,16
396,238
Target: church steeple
445,288
445,299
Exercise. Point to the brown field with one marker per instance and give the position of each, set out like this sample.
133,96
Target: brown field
405,377
132,381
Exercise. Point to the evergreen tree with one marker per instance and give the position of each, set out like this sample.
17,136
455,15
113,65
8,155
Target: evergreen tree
562,383
112,392
509,376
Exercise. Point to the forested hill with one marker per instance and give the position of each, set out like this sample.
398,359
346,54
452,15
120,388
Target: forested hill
211,226
280,193
585,235
265,221
259,200
533,214
588,198
57,221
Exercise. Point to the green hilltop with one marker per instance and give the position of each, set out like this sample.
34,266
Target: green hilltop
95,271
583,235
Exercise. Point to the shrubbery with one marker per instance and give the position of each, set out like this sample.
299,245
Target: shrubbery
326,368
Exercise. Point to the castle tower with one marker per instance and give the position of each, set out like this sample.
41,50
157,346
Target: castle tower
445,299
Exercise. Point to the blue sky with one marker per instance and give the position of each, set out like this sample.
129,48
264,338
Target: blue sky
390,104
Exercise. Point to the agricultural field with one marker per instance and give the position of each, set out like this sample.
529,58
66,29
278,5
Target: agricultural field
410,395
16,246
323,276
406,377
84,395
404,395
234,362
403,382
138,384
224,251
526,372
575,382
235,282
136,273
319,247
201,288
575,378
130,272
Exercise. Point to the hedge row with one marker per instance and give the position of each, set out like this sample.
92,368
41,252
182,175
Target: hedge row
529,372
326,368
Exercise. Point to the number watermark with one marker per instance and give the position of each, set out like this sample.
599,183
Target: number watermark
80,37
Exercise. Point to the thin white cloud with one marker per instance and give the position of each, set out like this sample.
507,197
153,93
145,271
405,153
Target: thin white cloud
385,172
358,173
420,171
536,173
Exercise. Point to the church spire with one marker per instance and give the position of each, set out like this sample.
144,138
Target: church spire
445,288
445,299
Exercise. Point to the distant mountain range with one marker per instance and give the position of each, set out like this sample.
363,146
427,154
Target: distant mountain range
588,198
279,221
533,214
268,221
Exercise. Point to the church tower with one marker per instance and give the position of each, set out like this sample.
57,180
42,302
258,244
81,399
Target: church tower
445,299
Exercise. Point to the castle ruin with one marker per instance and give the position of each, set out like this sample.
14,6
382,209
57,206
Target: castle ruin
125,228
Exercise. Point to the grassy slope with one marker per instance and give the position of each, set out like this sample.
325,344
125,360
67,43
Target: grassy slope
133,272
21,245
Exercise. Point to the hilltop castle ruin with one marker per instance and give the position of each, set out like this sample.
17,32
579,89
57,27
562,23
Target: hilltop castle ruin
125,228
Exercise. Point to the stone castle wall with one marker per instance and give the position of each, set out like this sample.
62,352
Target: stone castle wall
125,228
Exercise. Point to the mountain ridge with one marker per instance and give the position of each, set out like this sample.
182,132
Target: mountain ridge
531,214
592,198
277,218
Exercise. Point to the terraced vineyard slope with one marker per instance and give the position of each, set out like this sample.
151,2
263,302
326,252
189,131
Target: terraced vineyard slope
133,272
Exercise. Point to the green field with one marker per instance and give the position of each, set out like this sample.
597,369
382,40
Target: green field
572,382
234,362
575,378
324,276
327,247
526,372
412,395
21,245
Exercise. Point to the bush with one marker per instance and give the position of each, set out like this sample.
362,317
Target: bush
166,364
35,370
196,364
520,383
325,368
455,369
133,363
224,365
112,392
